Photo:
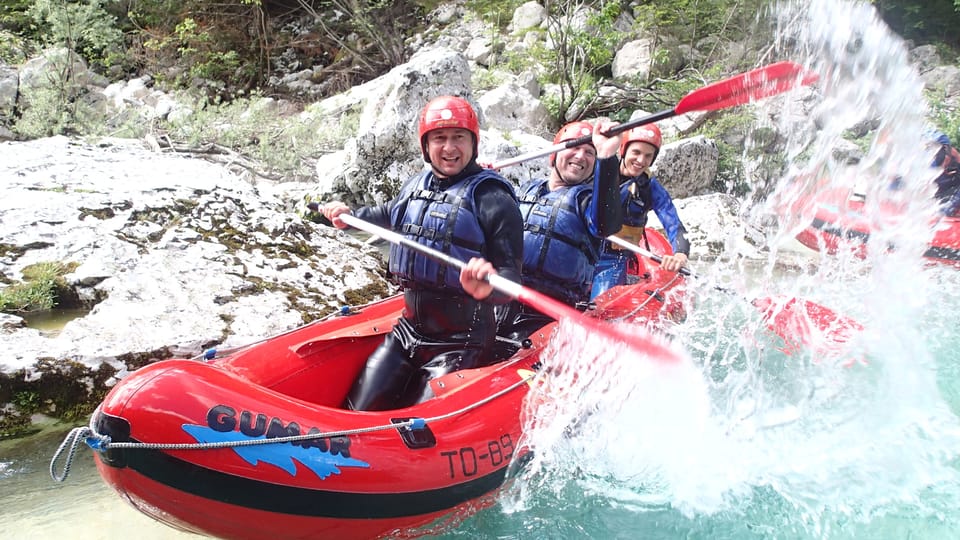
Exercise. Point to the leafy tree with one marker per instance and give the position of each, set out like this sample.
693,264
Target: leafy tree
924,21
364,39
583,46
215,41
83,26
14,17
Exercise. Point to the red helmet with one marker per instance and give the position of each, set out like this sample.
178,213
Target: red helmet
569,132
448,112
648,133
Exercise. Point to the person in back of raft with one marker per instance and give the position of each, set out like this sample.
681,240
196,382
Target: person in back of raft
566,216
640,192
461,209
947,158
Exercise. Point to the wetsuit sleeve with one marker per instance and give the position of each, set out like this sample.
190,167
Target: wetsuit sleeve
667,213
378,215
604,210
951,208
502,226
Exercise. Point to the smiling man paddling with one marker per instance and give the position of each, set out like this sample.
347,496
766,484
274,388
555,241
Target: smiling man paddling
640,193
566,218
462,210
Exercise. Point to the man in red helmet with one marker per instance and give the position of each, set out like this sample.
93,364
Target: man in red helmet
640,192
565,220
465,211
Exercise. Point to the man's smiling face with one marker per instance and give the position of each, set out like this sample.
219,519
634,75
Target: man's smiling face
450,150
573,165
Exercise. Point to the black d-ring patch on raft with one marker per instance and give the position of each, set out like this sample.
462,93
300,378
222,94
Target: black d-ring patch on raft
943,253
417,436
656,296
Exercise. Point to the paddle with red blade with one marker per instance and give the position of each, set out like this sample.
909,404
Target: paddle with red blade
804,322
642,343
796,320
750,86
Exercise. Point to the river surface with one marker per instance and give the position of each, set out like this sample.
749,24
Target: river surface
851,439
749,443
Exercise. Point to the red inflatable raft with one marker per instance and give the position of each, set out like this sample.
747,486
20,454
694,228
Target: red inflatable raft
838,224
253,444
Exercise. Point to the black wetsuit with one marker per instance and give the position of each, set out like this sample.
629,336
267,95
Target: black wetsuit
948,183
442,329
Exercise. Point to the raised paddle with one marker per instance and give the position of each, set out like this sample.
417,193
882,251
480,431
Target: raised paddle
642,342
794,319
756,84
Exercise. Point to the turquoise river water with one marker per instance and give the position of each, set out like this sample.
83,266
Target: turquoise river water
858,439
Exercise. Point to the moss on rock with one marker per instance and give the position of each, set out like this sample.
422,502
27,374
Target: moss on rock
58,388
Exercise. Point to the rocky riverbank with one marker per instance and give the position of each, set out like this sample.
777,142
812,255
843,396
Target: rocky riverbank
170,254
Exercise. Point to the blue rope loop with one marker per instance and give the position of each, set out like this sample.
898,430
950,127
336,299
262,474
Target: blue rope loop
98,442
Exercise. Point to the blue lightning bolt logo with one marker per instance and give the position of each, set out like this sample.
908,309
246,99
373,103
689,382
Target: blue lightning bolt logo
282,455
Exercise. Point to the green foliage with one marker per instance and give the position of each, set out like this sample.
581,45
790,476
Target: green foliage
692,20
60,105
945,118
84,27
498,13
155,16
200,47
14,17
37,291
923,21
520,59
250,127
730,131
485,79
27,401
13,48
582,52
185,41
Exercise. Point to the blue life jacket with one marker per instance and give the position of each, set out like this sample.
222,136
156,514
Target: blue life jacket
639,196
638,201
559,253
444,220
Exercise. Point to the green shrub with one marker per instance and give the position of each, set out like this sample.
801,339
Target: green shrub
13,48
58,110
78,28
498,13
282,144
14,17
38,290
943,116
84,27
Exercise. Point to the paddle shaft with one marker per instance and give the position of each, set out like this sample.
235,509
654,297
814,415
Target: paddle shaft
656,258
781,315
640,343
619,128
750,86
505,286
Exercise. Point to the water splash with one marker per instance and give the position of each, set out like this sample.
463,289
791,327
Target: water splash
751,439
610,419
867,85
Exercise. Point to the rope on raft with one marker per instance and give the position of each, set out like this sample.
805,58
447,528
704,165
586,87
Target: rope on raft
102,443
